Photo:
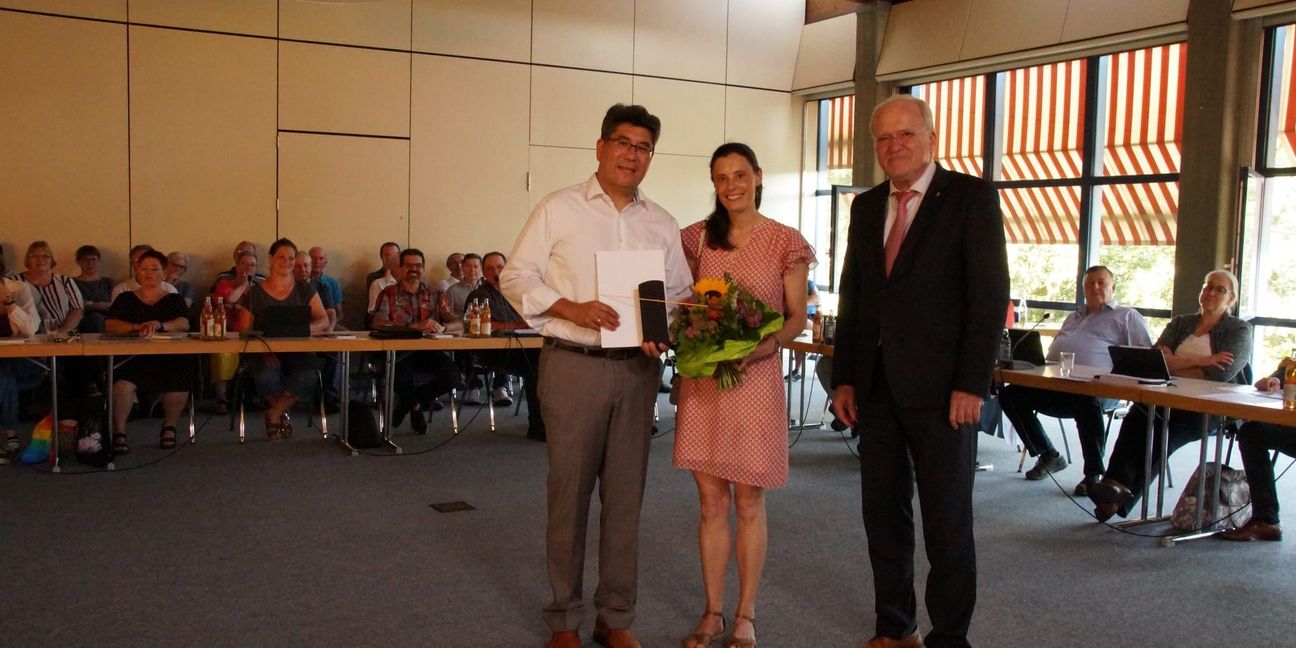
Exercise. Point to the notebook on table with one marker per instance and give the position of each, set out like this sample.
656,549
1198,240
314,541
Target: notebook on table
1147,364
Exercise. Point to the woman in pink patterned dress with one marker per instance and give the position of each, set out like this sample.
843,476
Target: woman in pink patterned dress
735,442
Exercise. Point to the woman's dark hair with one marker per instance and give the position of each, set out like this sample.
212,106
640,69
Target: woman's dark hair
274,247
717,224
87,250
155,255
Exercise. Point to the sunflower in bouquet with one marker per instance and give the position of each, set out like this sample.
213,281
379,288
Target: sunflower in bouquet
717,327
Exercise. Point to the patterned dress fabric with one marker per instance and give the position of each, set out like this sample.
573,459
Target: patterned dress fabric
741,435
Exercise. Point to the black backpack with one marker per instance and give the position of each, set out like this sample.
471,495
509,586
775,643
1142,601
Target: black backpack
362,428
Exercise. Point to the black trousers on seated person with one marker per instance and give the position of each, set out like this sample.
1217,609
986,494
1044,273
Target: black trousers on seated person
1023,405
423,375
1128,455
1255,440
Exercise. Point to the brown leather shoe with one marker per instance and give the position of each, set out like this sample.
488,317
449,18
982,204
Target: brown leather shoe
613,637
564,639
1254,530
913,640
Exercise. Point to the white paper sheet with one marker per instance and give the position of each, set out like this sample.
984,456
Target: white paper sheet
619,274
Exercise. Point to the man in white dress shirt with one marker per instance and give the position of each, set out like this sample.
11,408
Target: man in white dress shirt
597,403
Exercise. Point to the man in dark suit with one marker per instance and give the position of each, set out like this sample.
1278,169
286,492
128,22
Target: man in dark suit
923,288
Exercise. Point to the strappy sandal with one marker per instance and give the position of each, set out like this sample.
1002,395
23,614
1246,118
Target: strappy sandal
274,431
735,642
702,639
119,444
167,441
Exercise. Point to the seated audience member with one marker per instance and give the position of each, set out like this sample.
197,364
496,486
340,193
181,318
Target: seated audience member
471,270
453,265
524,363
18,319
1210,345
302,274
381,278
232,289
133,283
422,375
281,379
144,311
1255,441
319,261
244,247
58,300
176,267
1087,333
96,289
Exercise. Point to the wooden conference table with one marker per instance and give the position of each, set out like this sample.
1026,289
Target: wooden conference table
1202,396
341,343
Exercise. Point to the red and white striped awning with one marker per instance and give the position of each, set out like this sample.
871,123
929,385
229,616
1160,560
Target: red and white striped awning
841,132
958,109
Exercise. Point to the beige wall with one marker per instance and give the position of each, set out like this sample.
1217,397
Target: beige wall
434,123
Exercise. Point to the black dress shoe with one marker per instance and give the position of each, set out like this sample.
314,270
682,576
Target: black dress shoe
1254,530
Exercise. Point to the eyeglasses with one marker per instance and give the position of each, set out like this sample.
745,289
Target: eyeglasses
904,137
624,145
1216,288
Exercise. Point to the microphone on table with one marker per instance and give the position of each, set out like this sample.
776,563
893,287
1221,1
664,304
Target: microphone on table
1010,362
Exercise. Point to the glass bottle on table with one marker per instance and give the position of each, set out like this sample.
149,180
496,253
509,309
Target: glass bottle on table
1289,382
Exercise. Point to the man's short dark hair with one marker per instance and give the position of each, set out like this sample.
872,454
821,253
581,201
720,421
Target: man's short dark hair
635,115
472,255
412,252
1095,268
495,253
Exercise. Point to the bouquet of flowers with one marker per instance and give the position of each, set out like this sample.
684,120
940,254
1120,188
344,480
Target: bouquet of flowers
722,323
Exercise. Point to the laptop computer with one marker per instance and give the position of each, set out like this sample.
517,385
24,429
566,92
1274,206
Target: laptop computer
285,321
1145,363
1027,348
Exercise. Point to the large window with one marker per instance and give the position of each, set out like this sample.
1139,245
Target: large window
1086,157
1268,232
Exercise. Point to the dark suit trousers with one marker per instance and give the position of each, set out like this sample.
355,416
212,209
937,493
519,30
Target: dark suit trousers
897,445
1023,405
1255,440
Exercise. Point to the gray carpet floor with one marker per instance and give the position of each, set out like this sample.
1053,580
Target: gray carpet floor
295,543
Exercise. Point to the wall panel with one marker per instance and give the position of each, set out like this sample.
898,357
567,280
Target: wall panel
63,156
763,38
347,194
692,114
343,90
494,29
567,106
255,17
105,9
769,122
595,34
681,39
468,156
375,23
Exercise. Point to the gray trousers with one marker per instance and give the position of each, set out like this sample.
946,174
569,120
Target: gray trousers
598,415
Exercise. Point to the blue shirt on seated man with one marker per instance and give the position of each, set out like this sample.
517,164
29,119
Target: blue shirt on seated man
1087,333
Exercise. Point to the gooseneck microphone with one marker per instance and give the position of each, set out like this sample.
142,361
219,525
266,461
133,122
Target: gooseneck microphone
1022,364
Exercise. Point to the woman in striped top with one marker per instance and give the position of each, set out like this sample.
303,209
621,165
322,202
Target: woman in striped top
58,298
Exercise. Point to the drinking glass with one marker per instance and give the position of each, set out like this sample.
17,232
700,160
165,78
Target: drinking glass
1067,364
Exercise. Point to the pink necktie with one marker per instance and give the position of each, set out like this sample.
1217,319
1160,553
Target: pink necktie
892,247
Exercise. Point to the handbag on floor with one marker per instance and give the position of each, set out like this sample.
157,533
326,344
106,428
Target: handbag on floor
1231,508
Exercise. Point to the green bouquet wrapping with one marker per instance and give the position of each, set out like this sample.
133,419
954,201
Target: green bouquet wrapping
722,323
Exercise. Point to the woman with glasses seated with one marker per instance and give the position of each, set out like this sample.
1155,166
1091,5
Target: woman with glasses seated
1210,345
281,379
144,311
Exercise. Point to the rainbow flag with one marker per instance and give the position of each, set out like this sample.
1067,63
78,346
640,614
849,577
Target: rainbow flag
40,448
